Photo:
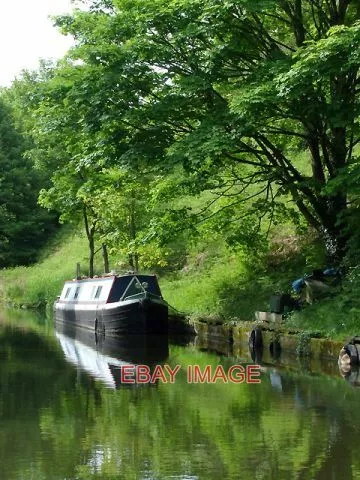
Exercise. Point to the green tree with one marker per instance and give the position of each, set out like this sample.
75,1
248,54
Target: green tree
235,85
24,226
60,149
86,180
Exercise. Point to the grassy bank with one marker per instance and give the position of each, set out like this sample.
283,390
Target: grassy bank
39,284
223,287
214,283
337,317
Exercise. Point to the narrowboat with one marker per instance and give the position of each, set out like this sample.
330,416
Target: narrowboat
114,304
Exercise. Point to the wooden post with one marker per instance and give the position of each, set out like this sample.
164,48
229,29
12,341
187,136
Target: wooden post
78,272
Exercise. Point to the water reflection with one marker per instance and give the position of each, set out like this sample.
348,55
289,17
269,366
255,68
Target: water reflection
351,374
256,354
57,421
103,356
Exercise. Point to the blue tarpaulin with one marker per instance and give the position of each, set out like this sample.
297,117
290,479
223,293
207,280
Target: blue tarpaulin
298,284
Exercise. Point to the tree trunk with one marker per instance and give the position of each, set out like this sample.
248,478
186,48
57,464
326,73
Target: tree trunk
298,22
91,256
78,271
106,258
335,232
90,233
132,233
131,261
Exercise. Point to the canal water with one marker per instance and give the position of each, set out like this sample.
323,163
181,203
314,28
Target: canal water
67,412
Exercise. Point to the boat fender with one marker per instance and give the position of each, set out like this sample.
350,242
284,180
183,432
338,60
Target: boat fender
255,339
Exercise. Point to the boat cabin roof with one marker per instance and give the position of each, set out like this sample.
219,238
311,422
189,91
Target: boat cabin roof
108,289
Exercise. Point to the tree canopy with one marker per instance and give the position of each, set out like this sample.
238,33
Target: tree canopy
24,226
257,102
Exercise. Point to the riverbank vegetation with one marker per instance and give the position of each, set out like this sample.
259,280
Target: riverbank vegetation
215,144
215,284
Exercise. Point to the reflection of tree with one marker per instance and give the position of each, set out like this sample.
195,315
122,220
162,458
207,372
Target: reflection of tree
214,431
63,425
313,441
33,377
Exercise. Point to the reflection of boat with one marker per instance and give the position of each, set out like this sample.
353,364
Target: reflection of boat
103,357
115,304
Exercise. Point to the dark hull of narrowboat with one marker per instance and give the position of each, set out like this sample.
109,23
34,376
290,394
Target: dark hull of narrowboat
120,318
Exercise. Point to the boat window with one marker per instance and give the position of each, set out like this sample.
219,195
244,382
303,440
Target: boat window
148,283
76,294
67,292
98,292
93,290
133,288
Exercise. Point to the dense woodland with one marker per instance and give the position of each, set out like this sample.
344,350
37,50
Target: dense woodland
172,122
24,225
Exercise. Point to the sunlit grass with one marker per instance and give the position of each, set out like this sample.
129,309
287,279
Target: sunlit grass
40,284
337,317
198,292
217,283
